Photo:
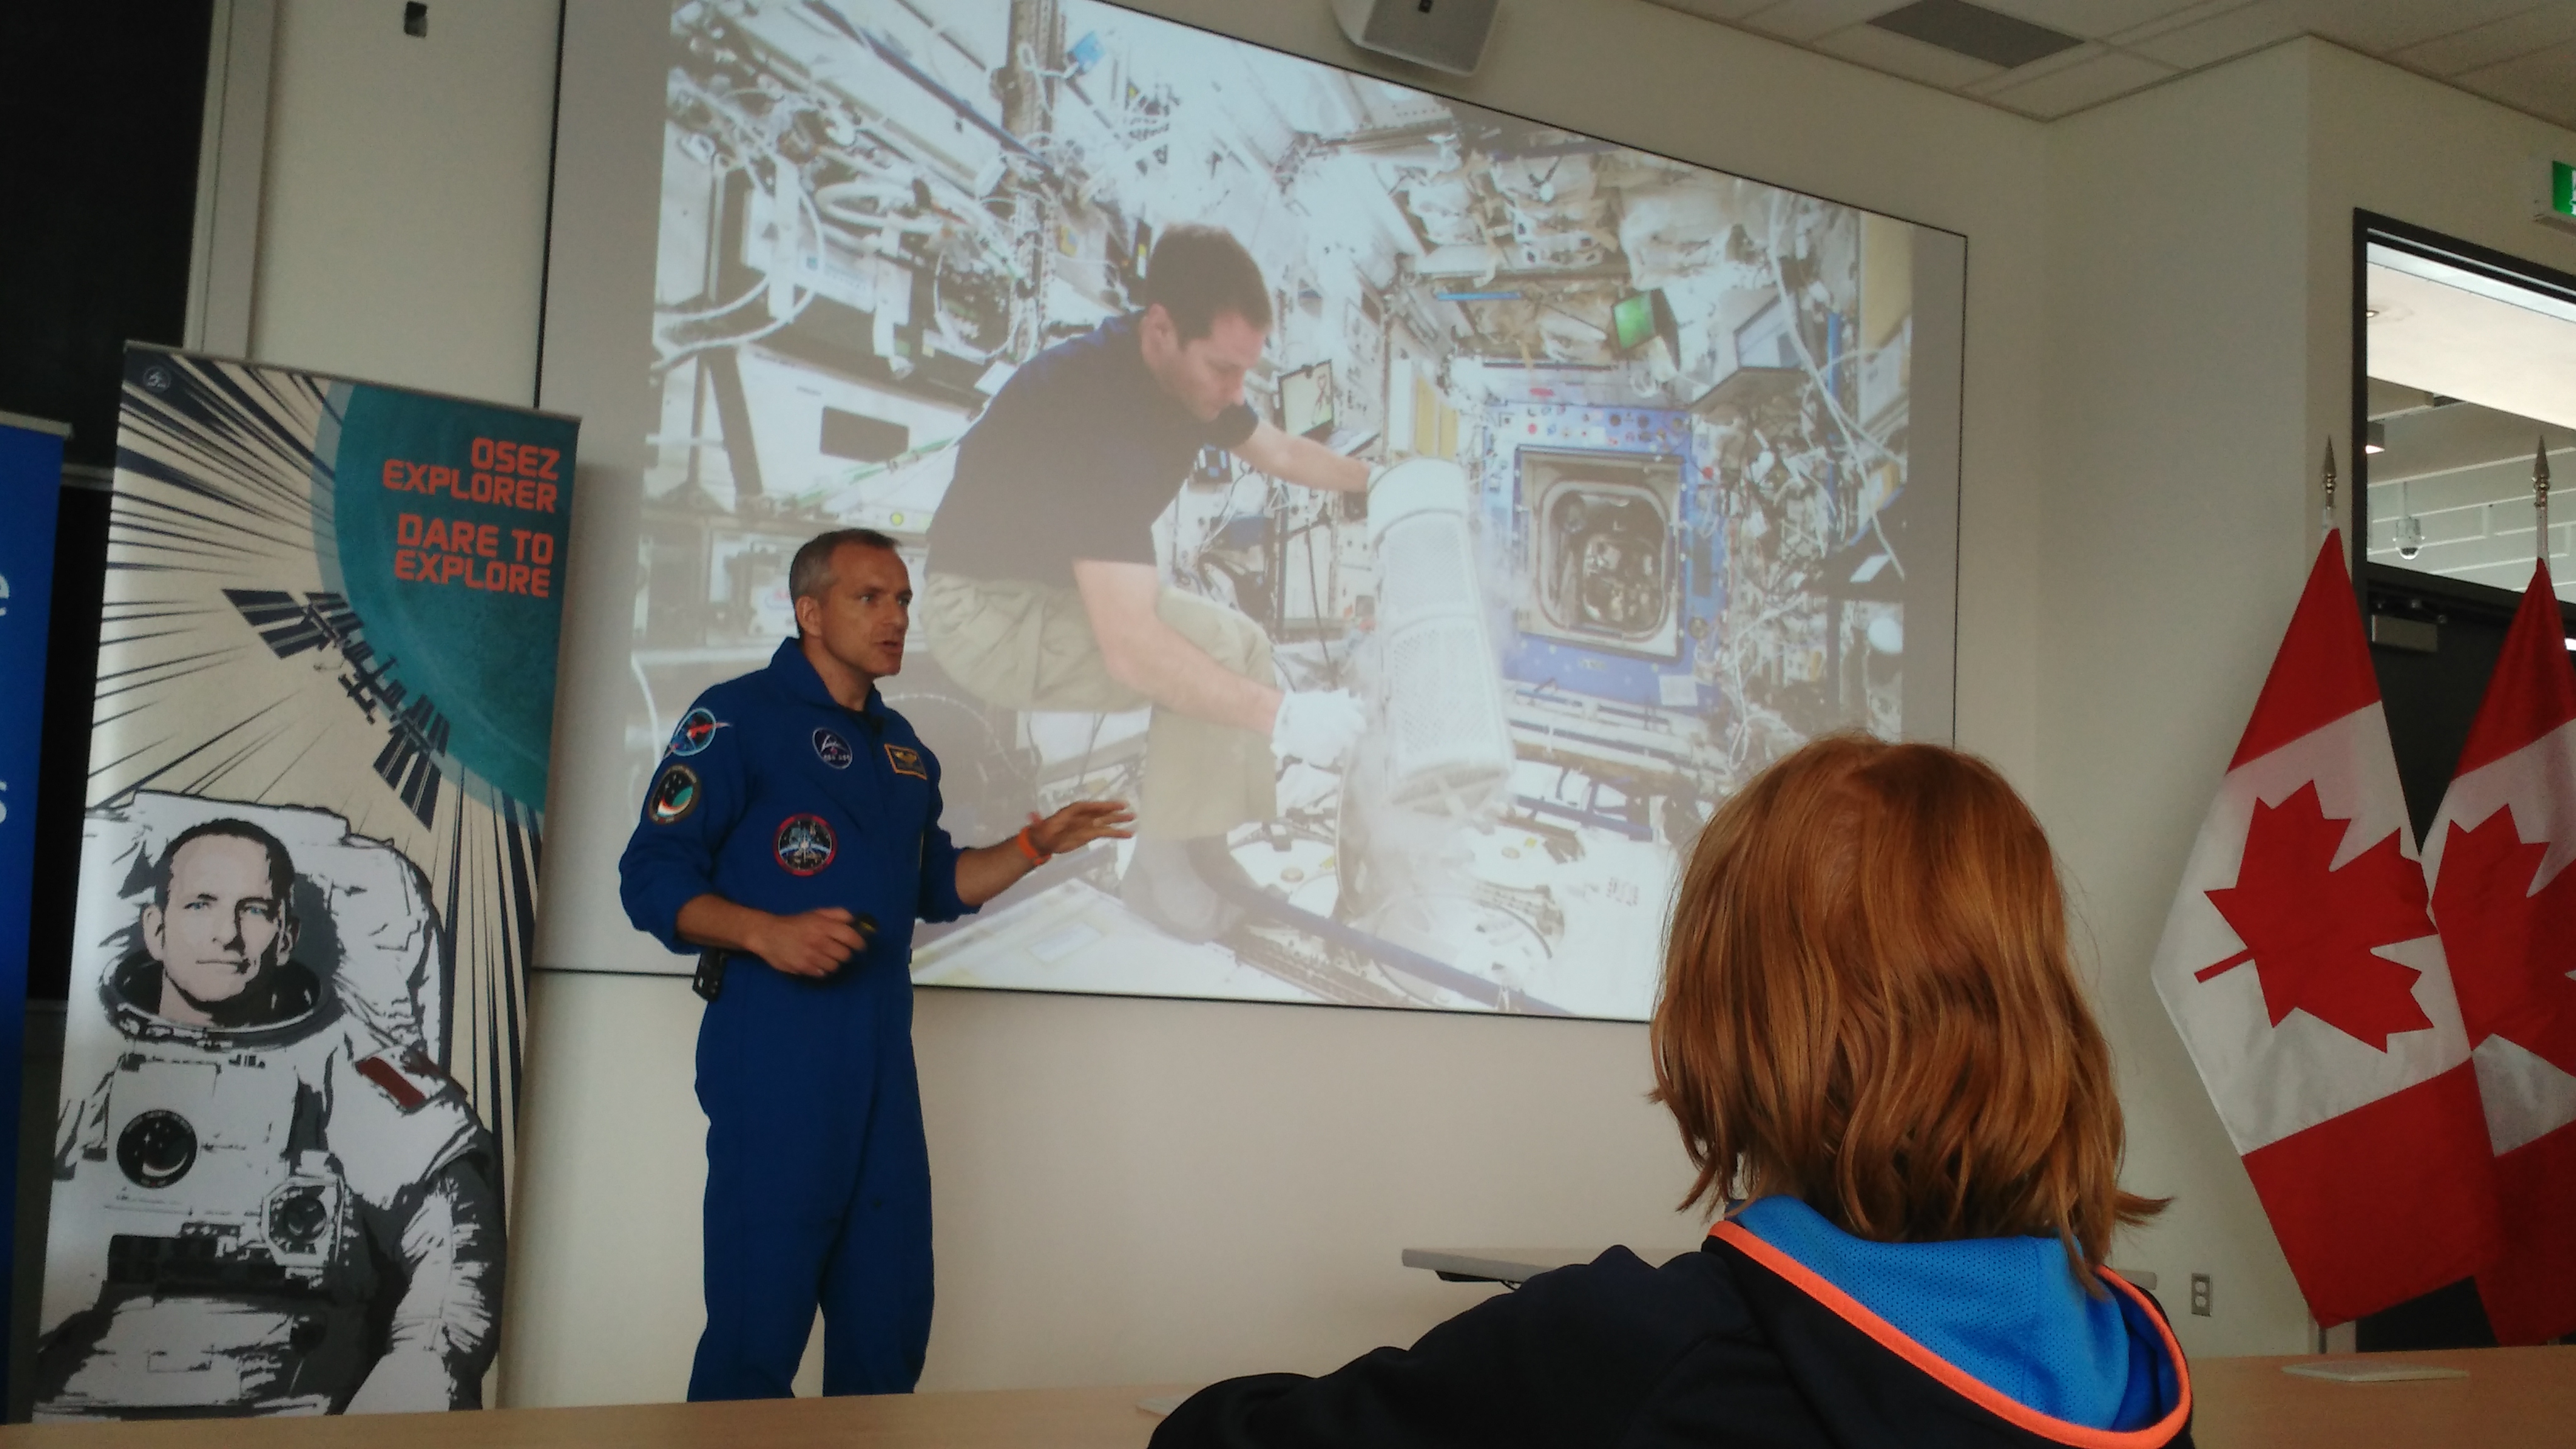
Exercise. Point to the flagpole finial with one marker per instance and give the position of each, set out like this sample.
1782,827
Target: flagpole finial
2329,514
2540,493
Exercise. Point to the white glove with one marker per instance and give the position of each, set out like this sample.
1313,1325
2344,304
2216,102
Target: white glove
1317,725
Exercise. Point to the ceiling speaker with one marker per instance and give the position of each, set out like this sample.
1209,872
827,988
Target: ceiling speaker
1443,34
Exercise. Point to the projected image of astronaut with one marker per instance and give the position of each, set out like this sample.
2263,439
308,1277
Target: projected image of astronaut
1097,316
1044,591
267,1204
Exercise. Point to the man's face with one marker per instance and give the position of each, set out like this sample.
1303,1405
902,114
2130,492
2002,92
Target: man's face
1204,374
223,928
863,617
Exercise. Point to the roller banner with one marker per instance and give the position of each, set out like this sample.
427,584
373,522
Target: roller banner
31,480
317,790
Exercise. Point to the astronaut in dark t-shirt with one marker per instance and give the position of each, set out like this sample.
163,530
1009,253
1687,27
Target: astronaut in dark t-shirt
1043,591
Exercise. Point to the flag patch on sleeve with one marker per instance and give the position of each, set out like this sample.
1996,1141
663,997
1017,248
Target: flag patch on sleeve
405,1074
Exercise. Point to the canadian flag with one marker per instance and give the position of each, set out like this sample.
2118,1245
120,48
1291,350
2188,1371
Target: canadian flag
2301,966
2497,857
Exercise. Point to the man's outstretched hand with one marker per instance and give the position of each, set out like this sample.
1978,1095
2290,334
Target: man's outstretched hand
987,872
1081,823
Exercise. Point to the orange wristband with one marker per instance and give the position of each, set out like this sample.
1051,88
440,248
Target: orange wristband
1030,849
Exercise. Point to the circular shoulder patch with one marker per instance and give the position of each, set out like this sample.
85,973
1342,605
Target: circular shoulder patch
695,731
805,844
834,750
675,795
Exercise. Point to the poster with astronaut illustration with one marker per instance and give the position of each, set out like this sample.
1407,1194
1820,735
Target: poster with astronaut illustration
307,896
1427,515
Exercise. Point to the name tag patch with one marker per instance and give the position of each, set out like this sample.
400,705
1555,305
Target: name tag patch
906,760
675,795
832,749
805,844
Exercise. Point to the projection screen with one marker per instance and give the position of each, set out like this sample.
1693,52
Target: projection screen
1667,467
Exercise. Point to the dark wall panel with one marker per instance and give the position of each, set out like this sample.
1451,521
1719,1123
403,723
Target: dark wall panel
101,102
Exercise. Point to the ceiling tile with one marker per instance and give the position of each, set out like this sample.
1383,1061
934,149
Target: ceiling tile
2521,53
2112,73
2376,27
2220,37
2176,19
1713,9
1804,20
1902,55
2093,19
2543,83
2537,28
2037,68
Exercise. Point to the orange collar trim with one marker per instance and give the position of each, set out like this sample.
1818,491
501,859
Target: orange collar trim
1958,1380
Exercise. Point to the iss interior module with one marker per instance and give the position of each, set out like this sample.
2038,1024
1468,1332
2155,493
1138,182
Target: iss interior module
284,1206
1664,467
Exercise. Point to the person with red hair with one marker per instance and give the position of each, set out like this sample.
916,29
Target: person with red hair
1873,1041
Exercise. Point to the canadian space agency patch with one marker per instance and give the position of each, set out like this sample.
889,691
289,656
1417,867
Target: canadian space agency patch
805,844
695,731
906,761
834,750
675,795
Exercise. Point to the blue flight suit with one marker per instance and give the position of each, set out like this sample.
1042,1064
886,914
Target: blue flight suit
773,796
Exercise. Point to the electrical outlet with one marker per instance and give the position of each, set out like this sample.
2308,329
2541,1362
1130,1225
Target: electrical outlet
2200,1294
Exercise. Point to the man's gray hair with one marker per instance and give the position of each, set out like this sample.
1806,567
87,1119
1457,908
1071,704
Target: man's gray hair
811,572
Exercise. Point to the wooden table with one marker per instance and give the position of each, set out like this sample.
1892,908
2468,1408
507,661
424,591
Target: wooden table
1017,1419
2512,1396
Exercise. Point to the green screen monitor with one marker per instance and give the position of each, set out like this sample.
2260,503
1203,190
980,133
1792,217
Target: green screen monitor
1640,317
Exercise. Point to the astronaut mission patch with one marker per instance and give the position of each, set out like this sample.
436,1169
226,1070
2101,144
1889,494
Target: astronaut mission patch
675,795
805,844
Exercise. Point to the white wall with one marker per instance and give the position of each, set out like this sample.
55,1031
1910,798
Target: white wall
403,213
2173,534
1135,1190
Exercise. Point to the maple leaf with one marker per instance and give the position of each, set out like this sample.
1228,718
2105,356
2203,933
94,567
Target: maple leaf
2510,950
2310,929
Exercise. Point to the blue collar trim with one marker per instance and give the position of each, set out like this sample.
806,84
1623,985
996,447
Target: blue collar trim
2004,1310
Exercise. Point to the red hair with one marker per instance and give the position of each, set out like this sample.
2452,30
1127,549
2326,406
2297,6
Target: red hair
1868,1004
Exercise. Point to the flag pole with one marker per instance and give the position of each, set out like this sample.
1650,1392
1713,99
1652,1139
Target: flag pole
2540,493
2328,516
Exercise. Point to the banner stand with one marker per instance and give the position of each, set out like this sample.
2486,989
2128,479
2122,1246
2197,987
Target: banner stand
310,833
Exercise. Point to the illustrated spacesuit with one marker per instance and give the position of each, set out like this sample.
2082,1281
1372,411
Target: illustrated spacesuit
283,1207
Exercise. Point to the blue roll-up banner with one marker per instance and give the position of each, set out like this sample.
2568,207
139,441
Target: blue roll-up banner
31,480
317,786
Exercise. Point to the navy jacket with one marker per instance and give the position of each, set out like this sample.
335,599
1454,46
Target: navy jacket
775,797
1735,1344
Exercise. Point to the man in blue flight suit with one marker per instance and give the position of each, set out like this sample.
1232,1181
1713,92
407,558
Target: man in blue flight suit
793,829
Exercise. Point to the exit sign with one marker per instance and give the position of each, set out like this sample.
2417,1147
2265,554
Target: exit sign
2556,203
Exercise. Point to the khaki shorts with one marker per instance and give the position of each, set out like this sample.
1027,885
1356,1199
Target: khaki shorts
1030,646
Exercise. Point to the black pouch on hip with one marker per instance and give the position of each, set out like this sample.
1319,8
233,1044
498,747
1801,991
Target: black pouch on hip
708,982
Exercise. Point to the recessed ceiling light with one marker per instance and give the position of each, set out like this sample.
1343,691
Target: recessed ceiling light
1973,30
